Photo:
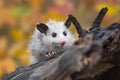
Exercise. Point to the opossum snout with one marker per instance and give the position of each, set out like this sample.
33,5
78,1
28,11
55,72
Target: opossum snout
62,43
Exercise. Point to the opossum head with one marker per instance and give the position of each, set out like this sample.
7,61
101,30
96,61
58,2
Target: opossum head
55,33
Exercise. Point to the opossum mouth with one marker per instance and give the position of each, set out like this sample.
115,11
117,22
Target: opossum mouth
50,54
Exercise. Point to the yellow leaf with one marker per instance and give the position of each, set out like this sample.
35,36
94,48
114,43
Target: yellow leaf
55,15
16,49
24,58
17,35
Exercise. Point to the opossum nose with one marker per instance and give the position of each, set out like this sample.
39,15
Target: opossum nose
62,43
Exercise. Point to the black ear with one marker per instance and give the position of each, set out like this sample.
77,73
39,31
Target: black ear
42,27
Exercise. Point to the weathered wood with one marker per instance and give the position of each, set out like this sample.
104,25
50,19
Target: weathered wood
109,38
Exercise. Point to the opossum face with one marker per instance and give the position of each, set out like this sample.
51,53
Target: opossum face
56,33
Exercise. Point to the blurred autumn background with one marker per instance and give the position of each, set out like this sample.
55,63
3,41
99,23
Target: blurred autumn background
18,18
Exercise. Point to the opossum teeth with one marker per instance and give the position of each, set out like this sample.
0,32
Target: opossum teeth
54,52
49,54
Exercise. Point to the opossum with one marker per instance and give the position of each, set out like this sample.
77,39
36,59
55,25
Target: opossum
50,40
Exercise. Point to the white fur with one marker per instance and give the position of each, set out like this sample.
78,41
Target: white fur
41,43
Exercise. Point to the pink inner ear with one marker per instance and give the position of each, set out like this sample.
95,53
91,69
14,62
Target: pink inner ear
62,43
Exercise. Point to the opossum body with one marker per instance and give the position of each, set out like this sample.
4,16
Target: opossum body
50,40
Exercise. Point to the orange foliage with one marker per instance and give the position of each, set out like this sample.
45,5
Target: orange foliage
7,65
3,45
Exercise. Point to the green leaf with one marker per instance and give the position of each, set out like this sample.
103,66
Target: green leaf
19,11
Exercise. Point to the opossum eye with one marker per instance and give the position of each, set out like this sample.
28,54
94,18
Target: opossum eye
64,33
54,34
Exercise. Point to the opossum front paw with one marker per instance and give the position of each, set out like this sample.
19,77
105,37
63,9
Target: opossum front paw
50,54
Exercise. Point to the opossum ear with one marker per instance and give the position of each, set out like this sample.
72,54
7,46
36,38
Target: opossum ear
42,27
